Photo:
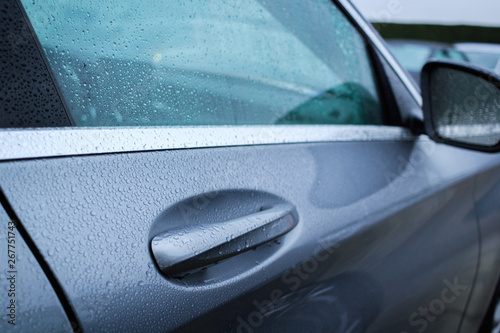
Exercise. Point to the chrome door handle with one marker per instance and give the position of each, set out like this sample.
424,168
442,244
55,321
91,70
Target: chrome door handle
188,248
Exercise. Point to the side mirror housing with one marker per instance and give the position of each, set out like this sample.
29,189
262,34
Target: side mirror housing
461,105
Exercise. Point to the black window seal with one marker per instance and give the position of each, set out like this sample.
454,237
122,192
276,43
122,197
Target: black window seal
43,56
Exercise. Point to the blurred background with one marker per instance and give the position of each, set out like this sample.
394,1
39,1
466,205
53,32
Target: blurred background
417,30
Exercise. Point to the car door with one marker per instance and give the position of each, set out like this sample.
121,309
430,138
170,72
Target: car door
31,304
382,234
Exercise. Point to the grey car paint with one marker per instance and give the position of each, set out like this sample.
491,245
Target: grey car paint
30,303
487,196
407,231
388,237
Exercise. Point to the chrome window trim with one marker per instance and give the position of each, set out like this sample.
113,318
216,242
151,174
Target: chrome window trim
55,142
380,45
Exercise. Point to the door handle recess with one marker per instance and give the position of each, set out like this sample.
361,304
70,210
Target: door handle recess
182,250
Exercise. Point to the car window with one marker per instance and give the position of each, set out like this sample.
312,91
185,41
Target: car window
456,55
206,62
449,54
411,56
488,60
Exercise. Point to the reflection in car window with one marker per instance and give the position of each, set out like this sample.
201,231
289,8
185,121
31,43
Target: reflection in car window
164,63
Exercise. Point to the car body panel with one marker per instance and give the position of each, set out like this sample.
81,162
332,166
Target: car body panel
35,306
93,226
487,196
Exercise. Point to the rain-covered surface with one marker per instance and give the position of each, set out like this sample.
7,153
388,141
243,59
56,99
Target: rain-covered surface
59,142
37,308
465,108
28,97
195,246
206,63
92,218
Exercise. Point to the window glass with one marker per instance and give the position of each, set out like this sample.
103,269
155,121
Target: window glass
164,63
411,56
488,60
456,55
449,54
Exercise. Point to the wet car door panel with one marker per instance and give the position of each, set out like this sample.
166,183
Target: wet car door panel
356,224
26,287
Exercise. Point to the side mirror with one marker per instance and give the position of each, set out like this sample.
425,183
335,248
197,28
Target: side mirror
461,105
